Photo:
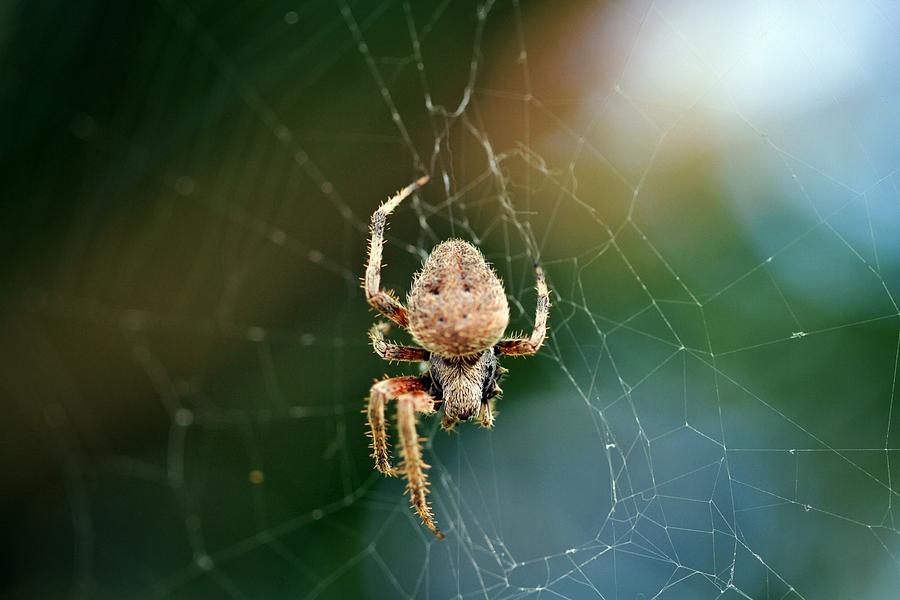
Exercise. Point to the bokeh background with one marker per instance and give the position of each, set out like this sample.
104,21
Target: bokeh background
712,188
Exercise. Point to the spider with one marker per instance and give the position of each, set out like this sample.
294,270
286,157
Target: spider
457,312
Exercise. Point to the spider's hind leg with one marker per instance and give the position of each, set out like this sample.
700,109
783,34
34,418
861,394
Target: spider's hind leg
530,345
384,301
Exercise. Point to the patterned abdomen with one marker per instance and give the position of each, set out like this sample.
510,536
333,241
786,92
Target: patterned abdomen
457,305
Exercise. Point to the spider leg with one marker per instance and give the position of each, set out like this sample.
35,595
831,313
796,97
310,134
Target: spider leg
411,398
413,467
486,414
488,410
448,423
391,351
384,301
380,393
530,345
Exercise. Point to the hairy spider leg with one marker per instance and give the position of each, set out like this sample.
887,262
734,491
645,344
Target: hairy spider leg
411,397
383,301
391,351
413,467
530,345
379,394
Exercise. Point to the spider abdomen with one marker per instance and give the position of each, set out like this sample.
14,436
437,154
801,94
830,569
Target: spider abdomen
457,305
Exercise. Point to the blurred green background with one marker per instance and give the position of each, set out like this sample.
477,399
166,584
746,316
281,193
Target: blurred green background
712,188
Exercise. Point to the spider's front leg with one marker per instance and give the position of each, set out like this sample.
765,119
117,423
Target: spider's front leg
412,397
380,393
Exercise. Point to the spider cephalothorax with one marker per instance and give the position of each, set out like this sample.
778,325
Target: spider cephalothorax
457,311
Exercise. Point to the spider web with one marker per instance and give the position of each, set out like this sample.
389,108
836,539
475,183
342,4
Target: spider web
711,189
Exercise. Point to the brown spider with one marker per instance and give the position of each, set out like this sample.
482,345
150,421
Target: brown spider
457,311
